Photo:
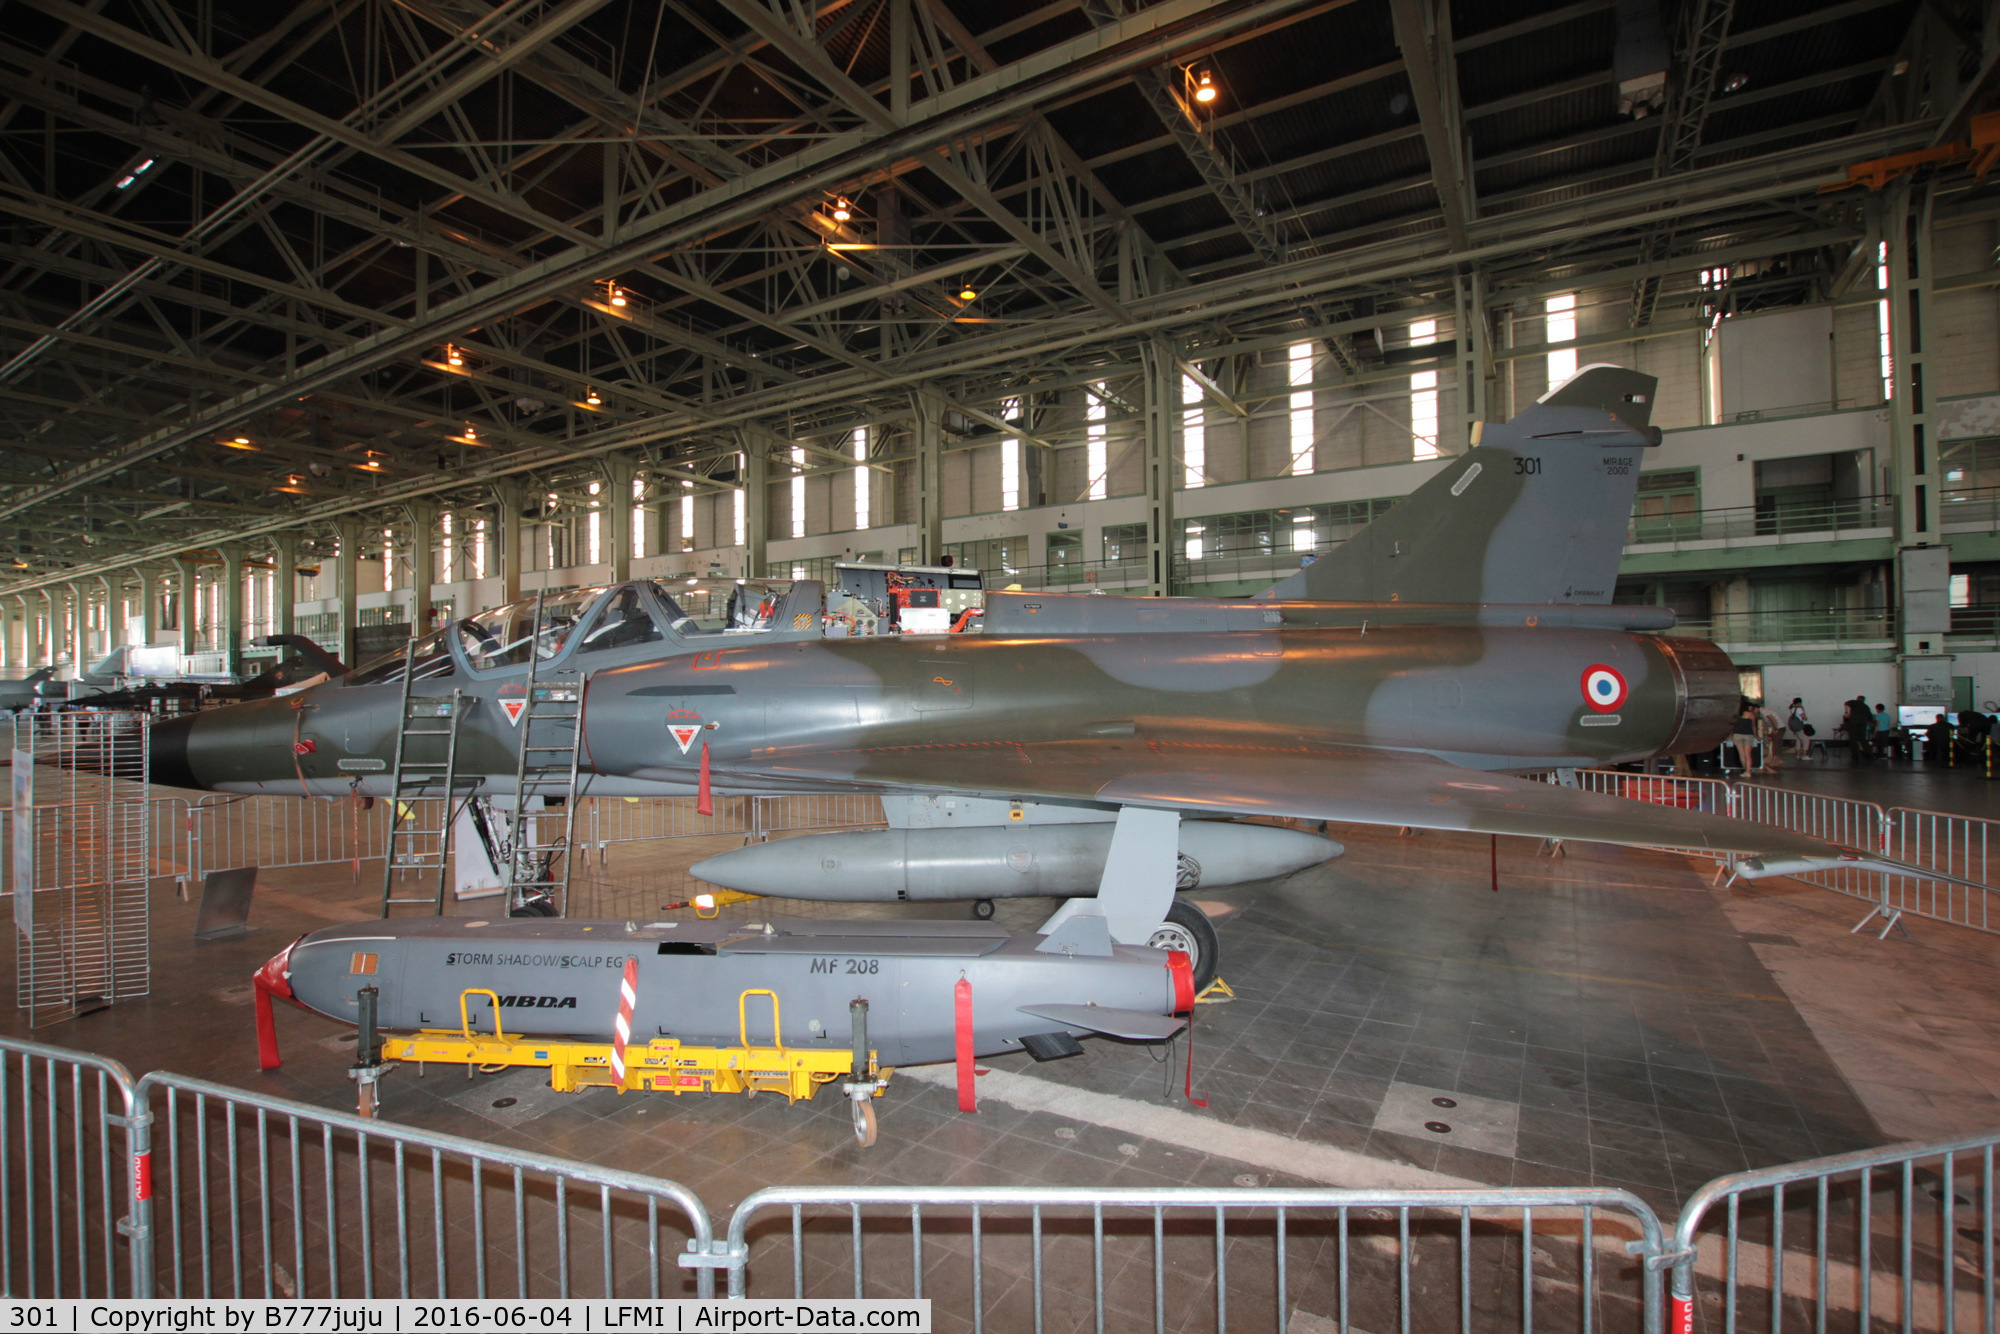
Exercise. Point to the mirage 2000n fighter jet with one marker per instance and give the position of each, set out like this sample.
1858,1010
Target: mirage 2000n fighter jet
1079,741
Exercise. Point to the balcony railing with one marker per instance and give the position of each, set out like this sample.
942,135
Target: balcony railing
1971,510
1776,629
1834,519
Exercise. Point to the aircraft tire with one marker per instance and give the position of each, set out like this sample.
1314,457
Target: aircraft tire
535,908
1187,928
982,910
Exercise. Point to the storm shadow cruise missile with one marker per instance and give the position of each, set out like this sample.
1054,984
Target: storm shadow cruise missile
997,861
561,977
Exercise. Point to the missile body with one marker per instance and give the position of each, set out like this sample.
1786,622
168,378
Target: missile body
996,861
560,976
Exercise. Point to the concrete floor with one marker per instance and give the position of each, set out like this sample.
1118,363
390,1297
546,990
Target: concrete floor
1607,1017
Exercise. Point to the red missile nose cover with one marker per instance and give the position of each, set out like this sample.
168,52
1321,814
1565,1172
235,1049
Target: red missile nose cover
1181,968
273,979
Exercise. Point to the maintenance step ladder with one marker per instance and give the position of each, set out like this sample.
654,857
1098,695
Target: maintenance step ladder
424,776
538,859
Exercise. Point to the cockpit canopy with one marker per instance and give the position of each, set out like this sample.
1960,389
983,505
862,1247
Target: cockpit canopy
596,619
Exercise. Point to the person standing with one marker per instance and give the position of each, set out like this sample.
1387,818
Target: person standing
1887,743
1744,734
1798,725
1857,724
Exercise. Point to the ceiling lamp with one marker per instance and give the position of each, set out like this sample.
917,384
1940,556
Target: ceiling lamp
968,293
590,396
241,442
452,356
471,432
842,210
1204,89
615,295
370,463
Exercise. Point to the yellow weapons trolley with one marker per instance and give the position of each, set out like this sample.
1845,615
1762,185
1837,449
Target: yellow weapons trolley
663,1065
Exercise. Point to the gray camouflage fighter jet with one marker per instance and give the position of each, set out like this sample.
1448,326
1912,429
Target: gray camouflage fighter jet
1401,680
21,694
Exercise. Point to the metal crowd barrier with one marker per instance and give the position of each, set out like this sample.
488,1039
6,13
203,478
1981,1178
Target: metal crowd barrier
1901,1236
1960,845
73,1176
1423,1259
292,1200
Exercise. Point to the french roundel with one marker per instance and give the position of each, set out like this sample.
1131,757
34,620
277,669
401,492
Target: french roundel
1604,688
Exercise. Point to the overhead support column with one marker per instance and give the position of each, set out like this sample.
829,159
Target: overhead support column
187,600
1162,402
232,610
1923,561
507,539
618,474
1475,357
79,628
345,567
285,583
149,608
929,428
756,483
114,609
423,565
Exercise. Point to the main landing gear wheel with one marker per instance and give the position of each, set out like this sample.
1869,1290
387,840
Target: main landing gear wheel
535,908
1187,929
982,909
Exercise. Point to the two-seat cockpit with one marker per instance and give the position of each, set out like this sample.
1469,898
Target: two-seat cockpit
587,629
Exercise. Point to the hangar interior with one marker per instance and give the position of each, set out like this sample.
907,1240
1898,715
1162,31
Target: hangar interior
348,321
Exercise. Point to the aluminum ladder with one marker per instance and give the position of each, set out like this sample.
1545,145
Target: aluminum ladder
412,845
546,763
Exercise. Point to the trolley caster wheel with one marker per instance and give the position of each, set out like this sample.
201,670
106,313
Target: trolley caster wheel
864,1122
1187,929
982,909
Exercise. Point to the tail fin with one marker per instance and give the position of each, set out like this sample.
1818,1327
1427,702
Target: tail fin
1535,512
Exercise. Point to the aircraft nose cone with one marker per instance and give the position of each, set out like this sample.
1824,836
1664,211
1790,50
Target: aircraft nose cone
167,753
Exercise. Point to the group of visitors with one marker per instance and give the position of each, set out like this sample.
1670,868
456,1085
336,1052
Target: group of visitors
1872,733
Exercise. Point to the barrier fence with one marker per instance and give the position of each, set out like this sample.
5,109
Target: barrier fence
1900,1237
1963,846
1015,1257
176,1187
267,1197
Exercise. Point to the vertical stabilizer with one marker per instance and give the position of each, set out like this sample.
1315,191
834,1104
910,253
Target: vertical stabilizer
1536,512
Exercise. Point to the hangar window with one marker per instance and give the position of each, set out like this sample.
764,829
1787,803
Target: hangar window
1668,506
1561,312
861,480
1424,397
1124,542
798,492
1096,464
1010,460
1194,435
739,496
1299,372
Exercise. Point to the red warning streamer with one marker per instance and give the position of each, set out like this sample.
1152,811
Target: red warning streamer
704,803
968,1096
621,1031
